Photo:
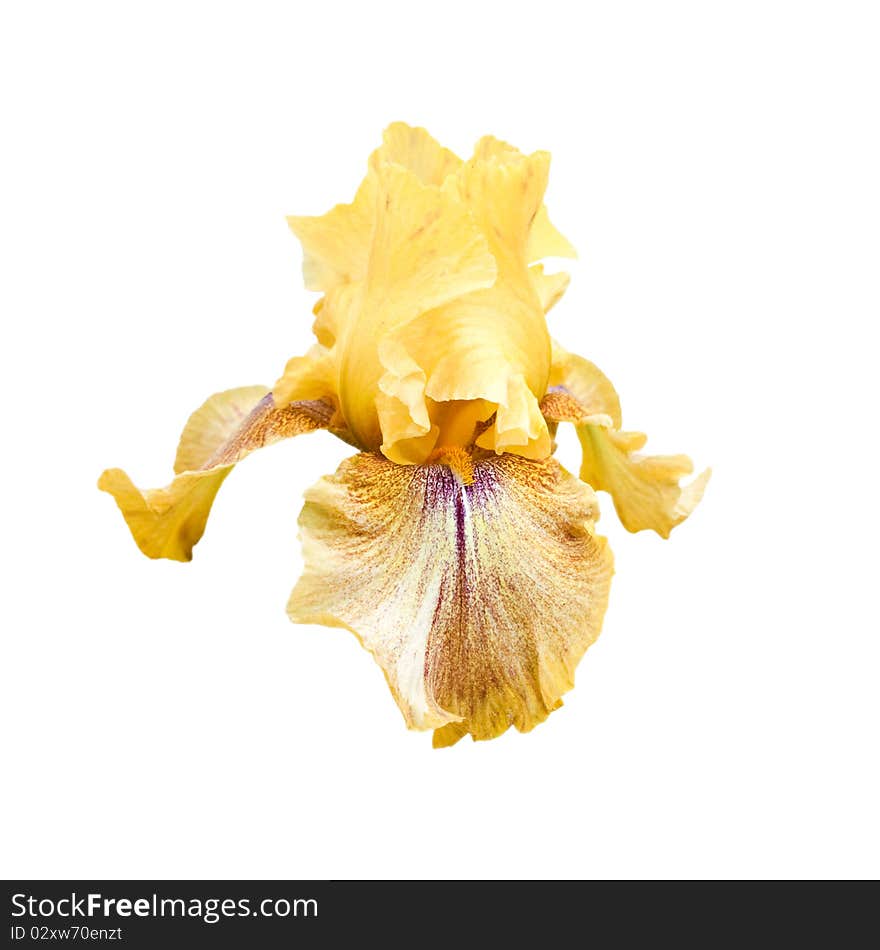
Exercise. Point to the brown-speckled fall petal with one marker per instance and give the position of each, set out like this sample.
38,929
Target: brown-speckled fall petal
477,584
167,522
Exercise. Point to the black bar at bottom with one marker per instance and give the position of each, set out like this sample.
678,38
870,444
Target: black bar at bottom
268,914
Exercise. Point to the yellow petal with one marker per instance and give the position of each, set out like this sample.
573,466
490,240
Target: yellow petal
469,355
490,345
519,426
560,406
431,301
477,600
211,425
401,405
336,245
545,240
505,192
425,252
460,421
586,382
549,287
312,376
168,522
646,490
416,150
489,147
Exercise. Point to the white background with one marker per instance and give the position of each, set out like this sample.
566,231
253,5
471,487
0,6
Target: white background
717,167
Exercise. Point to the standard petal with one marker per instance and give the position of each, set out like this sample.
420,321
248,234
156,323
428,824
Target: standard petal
401,405
549,287
168,522
519,426
426,251
418,151
646,489
505,192
336,245
486,346
477,587
490,345
432,260
545,240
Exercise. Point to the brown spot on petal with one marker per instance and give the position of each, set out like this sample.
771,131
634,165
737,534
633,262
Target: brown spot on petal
267,424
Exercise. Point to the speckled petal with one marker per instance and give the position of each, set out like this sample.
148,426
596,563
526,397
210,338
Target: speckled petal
477,583
168,522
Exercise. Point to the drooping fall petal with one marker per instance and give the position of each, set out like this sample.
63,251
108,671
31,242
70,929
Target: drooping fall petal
586,383
646,490
168,522
477,584
308,377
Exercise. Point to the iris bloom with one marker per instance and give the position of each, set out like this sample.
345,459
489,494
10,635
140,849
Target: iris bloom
453,545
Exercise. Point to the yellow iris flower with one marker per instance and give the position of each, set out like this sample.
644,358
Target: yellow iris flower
460,553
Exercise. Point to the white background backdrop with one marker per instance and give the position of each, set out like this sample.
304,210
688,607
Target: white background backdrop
717,167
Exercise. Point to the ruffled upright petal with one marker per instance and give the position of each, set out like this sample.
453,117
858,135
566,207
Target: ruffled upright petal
168,522
477,584
418,151
432,300
492,345
425,252
546,241
336,245
646,490
548,287
404,419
